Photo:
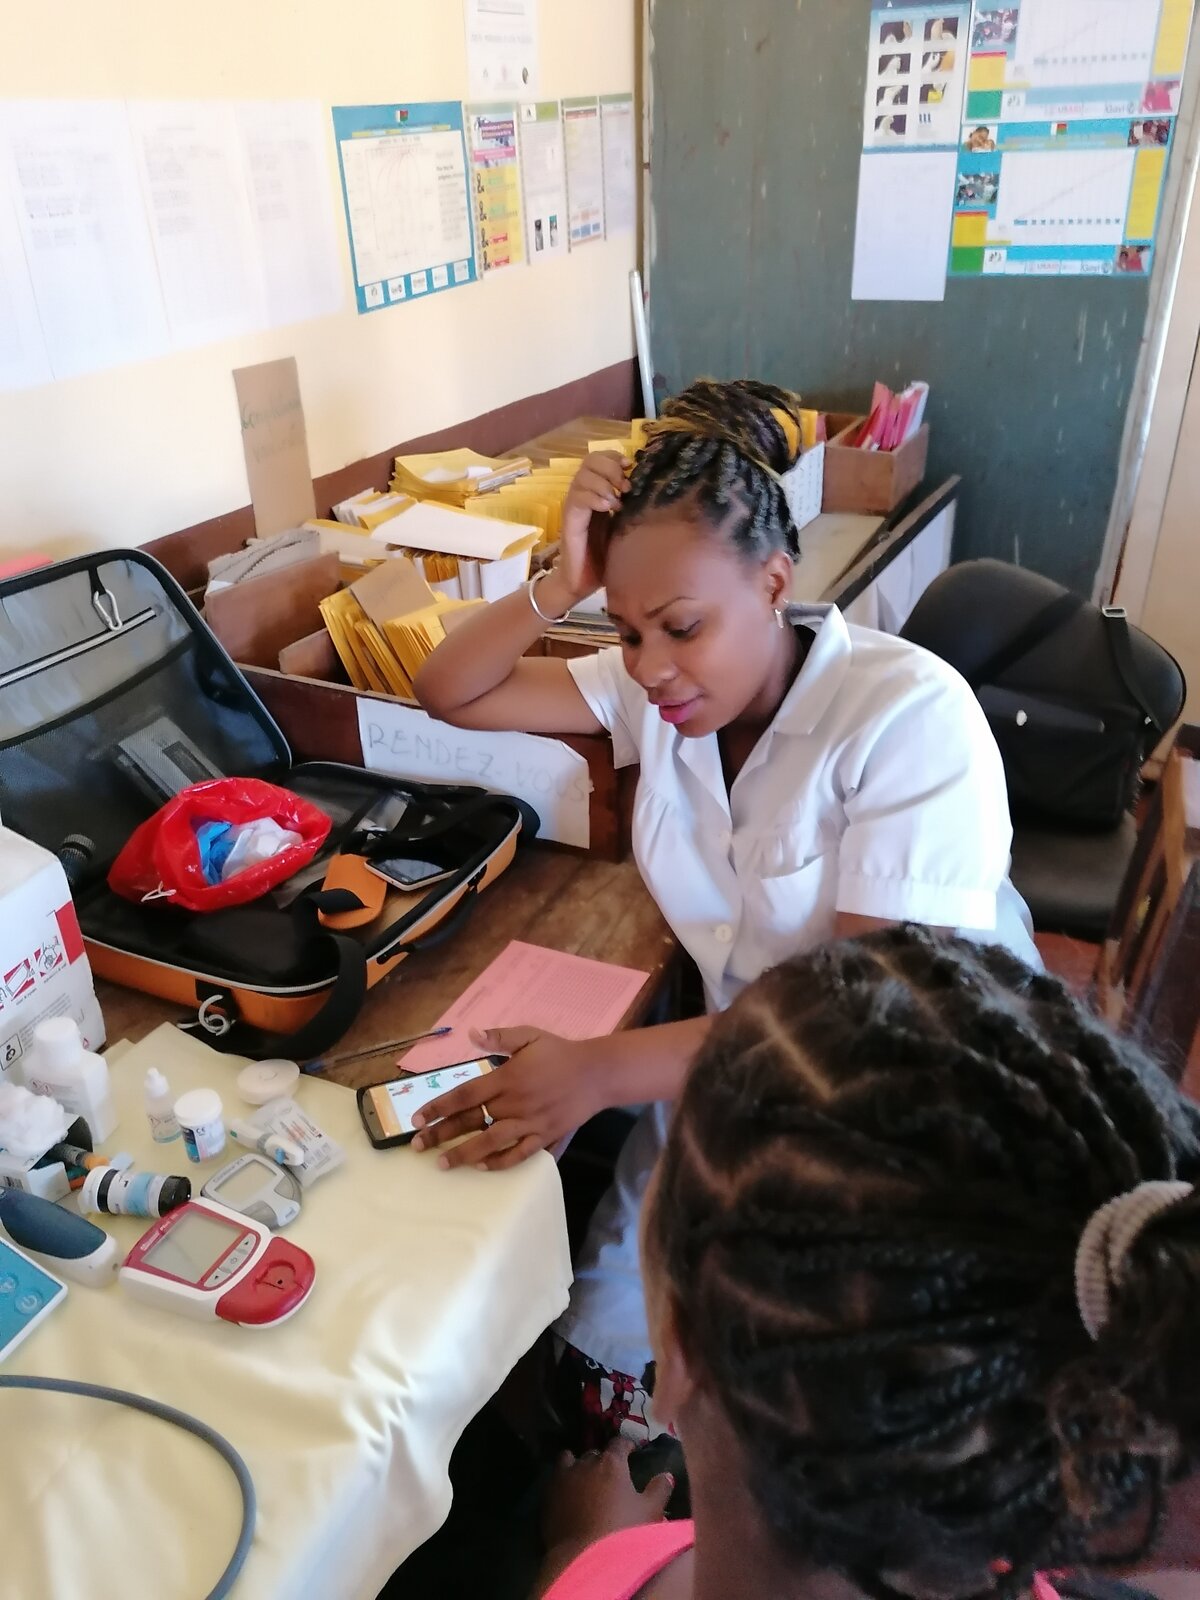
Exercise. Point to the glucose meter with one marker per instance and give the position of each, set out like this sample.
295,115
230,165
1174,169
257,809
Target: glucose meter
205,1261
256,1188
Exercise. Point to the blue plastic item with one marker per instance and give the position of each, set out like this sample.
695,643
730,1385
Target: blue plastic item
27,1294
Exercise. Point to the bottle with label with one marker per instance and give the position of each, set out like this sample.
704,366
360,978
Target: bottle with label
59,1066
160,1108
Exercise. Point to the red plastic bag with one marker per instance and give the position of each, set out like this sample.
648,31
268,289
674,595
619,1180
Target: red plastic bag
161,860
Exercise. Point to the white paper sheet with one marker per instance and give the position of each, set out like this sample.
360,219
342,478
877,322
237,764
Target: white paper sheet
544,180
426,525
23,358
620,163
502,48
292,206
902,236
195,187
585,170
549,775
75,188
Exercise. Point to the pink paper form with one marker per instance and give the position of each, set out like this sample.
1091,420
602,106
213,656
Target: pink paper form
527,986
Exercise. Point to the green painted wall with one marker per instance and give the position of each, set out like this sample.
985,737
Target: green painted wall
757,136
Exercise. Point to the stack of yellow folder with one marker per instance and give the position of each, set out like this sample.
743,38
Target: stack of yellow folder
454,476
387,624
370,509
354,550
536,500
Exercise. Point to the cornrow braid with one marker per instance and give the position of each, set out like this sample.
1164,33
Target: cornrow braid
868,1213
722,448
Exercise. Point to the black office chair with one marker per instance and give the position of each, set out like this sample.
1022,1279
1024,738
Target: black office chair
1062,682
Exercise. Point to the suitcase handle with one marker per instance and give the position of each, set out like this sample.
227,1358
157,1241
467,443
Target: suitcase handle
445,929
319,1033
346,995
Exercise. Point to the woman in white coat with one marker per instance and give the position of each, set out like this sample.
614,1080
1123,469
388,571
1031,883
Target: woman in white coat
800,780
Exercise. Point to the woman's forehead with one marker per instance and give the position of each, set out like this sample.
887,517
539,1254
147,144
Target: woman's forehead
668,555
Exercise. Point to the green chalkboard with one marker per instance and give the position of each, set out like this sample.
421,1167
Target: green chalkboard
757,138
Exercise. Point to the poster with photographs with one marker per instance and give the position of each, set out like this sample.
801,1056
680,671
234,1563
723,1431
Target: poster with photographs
916,76
1070,117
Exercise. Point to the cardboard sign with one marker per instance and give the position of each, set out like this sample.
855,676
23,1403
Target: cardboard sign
276,445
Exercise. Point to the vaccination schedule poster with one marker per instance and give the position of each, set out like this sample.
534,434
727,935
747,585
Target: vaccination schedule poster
1070,117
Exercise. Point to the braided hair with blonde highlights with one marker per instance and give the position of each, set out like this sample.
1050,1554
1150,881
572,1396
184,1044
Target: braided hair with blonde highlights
867,1218
719,451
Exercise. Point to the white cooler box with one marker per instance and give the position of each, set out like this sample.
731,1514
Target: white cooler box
43,969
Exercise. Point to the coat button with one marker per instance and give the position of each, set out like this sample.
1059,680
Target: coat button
723,933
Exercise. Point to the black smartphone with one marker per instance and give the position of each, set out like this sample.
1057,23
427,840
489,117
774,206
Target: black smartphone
403,873
387,1109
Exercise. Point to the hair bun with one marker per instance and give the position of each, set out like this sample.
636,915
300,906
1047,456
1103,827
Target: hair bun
758,421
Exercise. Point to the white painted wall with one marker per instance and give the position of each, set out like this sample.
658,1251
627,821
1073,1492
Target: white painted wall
122,456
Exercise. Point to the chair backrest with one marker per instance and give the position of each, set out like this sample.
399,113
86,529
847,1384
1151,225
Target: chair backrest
1148,978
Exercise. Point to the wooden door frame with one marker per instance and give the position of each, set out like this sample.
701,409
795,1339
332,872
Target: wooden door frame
1165,366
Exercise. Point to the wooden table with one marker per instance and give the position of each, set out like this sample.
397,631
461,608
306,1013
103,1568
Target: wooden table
567,902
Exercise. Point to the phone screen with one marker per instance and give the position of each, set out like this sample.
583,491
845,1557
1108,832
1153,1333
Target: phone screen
407,874
395,1103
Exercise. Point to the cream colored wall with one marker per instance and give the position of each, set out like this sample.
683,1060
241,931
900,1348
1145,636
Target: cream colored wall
121,456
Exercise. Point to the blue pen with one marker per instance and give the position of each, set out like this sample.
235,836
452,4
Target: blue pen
375,1050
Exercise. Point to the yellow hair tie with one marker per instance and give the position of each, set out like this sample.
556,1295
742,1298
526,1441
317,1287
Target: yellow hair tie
791,432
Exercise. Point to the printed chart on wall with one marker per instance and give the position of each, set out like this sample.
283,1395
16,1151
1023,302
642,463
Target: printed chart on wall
496,186
407,196
502,47
585,170
544,178
619,144
916,76
1070,118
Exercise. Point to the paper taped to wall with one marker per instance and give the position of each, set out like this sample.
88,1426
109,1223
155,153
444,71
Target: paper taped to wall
902,236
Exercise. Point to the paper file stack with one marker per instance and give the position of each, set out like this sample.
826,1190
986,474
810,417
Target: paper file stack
387,624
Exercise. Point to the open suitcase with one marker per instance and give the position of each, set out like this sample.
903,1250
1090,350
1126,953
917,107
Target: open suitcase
114,694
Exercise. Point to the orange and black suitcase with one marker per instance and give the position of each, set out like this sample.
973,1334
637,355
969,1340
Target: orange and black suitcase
114,695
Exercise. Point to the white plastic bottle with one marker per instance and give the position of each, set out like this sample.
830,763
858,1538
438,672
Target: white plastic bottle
59,1066
160,1108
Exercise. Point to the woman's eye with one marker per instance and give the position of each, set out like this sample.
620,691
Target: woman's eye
629,641
684,633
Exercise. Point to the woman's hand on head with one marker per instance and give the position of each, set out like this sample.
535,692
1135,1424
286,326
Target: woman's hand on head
542,1093
596,492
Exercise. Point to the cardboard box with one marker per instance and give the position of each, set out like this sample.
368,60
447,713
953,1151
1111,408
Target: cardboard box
43,969
871,482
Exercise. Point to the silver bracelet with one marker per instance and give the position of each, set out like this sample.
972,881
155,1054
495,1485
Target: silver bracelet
532,586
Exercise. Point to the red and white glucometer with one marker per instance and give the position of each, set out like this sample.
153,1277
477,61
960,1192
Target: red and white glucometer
206,1261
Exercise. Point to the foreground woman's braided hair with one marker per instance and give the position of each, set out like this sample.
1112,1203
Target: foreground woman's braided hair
868,1216
722,448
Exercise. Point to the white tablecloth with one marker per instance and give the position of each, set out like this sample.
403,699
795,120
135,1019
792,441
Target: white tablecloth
430,1286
